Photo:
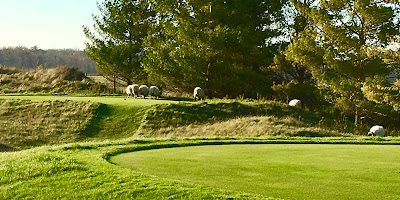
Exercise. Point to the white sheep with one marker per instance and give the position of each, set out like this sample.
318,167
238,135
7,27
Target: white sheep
132,90
198,93
135,90
129,90
376,131
155,92
295,103
144,91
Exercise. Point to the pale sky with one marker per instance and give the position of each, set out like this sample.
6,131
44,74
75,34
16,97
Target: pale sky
49,24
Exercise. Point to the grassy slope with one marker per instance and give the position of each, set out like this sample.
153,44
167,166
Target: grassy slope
28,121
24,123
85,119
79,171
281,170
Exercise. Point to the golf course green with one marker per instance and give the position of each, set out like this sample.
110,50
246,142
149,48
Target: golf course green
288,171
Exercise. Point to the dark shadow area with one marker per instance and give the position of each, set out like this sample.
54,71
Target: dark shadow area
93,127
177,99
5,148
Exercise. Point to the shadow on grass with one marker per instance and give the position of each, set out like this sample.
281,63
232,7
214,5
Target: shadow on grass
93,127
5,148
178,99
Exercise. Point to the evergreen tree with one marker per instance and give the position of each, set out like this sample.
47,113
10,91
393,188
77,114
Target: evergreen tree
337,46
221,46
117,43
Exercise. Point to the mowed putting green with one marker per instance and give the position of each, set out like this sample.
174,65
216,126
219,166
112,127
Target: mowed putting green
289,171
117,100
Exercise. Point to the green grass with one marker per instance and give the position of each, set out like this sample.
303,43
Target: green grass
48,120
285,171
25,123
81,170
111,100
29,121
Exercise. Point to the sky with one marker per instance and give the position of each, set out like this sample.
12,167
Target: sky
48,24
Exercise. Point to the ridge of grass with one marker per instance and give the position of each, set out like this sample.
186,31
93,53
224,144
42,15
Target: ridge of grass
29,123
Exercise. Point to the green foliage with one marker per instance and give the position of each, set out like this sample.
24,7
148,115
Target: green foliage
293,80
220,46
338,46
382,91
117,42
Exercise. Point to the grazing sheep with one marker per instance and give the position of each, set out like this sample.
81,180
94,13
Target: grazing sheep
144,91
132,90
155,92
295,103
198,93
376,131
129,90
135,90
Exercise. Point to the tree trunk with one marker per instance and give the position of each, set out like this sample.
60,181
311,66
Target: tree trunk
356,117
114,83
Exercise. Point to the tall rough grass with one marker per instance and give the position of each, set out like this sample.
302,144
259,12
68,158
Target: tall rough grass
58,80
25,123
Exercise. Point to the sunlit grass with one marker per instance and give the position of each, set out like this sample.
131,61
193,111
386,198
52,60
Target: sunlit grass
112,100
279,170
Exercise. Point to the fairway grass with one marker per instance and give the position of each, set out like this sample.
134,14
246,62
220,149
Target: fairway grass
289,171
111,100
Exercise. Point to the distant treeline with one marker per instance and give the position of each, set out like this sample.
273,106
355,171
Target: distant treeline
28,58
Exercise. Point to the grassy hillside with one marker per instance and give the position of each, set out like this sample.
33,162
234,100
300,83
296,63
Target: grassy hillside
24,123
27,123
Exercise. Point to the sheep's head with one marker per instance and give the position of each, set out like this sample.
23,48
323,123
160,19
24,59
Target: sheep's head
371,134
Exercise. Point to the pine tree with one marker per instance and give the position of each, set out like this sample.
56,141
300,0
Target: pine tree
117,41
218,45
337,46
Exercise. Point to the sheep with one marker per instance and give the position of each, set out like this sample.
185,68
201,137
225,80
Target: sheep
295,103
129,90
198,93
132,90
144,91
376,131
135,90
155,92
